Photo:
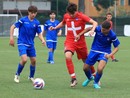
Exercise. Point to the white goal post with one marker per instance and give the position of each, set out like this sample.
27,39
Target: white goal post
6,20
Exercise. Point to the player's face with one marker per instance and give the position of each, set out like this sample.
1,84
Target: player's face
105,31
32,15
109,17
52,16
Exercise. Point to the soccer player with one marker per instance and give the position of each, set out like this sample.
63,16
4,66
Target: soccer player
101,52
28,27
109,18
51,36
75,39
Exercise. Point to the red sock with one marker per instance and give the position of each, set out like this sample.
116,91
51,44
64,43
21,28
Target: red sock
70,68
112,57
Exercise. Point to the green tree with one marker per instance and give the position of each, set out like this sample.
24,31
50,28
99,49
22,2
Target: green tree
59,6
81,6
103,3
1,6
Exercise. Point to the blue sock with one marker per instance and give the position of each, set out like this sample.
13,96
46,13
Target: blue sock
19,69
51,56
48,57
88,74
32,71
97,77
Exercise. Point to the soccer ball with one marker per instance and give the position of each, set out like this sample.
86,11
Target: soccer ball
38,83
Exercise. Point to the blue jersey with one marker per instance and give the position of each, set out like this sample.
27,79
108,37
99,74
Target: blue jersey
27,30
102,43
51,35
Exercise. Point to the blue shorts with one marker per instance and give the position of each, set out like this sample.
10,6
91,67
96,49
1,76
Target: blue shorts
51,45
95,56
28,50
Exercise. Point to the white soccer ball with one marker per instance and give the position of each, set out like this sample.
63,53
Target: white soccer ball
38,83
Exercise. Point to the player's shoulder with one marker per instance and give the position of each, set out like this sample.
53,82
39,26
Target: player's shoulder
112,33
23,18
66,15
98,28
57,21
47,21
36,21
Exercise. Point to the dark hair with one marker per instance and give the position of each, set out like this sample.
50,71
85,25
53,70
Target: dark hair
52,12
32,8
71,8
109,14
106,24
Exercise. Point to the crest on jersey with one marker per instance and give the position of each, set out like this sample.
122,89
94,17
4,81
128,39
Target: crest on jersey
67,19
76,19
34,25
108,39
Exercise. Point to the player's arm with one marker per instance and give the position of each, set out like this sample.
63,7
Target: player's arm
112,53
116,44
94,23
61,24
11,42
43,32
41,38
77,37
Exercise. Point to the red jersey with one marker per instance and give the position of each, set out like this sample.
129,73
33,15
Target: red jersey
110,23
74,26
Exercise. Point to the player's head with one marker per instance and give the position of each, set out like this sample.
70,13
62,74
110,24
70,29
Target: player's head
71,9
52,14
109,16
106,26
32,11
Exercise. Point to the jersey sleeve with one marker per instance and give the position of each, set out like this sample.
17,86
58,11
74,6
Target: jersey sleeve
115,41
38,28
19,23
64,19
86,18
45,26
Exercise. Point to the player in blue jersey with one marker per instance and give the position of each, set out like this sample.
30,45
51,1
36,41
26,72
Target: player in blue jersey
51,36
101,52
28,27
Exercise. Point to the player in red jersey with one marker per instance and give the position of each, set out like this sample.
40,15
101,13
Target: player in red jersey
75,39
109,18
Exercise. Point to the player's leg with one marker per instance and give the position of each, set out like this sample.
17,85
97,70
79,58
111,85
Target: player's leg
50,52
22,53
32,68
70,67
53,49
99,73
90,61
32,54
88,74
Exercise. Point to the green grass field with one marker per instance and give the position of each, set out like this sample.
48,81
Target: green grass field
115,81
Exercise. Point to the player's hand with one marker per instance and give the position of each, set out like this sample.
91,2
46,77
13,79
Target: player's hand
108,56
91,33
52,28
59,34
77,37
11,42
44,43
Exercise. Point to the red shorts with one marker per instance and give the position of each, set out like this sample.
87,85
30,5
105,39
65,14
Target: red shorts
81,49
